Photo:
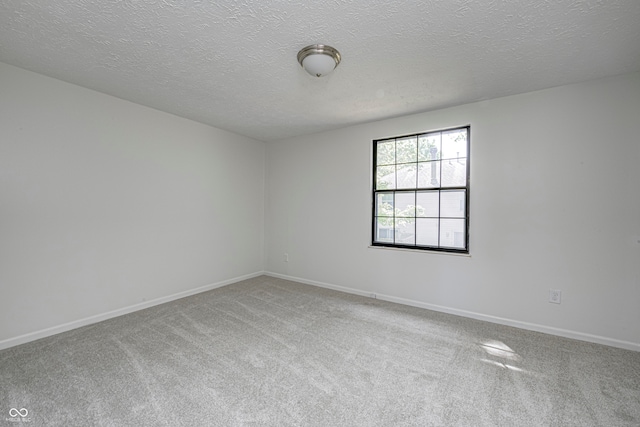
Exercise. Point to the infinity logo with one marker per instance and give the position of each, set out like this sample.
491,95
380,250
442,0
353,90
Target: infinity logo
13,412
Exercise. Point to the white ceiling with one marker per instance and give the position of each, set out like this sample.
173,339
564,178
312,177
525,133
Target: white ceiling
232,64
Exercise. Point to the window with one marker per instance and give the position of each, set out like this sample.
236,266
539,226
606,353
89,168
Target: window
421,191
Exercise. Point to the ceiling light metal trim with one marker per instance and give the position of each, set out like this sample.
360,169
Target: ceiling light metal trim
319,49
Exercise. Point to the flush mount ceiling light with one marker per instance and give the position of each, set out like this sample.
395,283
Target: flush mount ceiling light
319,59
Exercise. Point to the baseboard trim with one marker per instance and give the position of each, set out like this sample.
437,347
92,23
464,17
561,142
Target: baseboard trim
32,336
627,345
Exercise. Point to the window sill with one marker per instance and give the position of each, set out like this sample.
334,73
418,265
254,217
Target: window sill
426,251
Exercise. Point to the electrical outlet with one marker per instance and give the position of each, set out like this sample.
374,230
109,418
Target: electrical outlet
555,296
286,257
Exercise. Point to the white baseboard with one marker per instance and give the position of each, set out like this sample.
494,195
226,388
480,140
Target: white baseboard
627,345
32,336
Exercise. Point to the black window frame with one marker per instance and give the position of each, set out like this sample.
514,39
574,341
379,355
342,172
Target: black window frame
440,189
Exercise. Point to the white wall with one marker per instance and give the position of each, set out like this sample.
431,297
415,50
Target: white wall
554,204
107,205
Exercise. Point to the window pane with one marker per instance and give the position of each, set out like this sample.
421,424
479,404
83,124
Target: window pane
386,178
386,153
452,204
429,147
384,204
427,232
406,231
429,174
452,233
405,204
406,150
384,230
421,190
454,173
427,204
454,144
406,176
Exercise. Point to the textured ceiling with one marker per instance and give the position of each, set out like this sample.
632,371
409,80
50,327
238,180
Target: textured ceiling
232,64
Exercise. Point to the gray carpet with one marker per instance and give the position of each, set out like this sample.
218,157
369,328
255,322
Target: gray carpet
268,352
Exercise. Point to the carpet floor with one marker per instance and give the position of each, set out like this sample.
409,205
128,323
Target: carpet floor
270,352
